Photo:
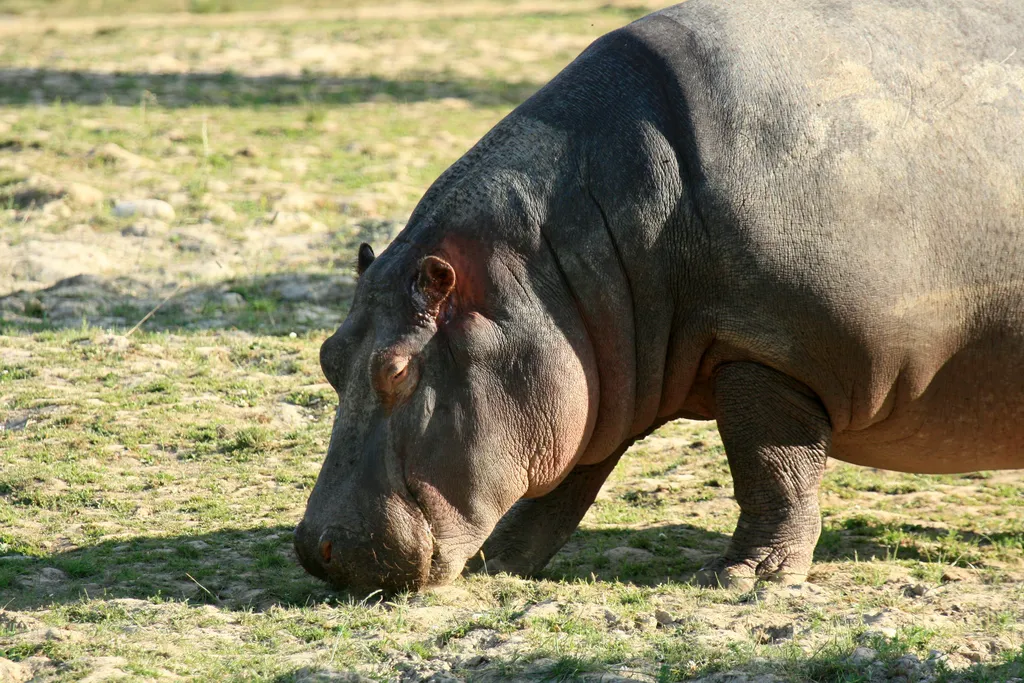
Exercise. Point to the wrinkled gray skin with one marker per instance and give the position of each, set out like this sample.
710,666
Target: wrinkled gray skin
801,218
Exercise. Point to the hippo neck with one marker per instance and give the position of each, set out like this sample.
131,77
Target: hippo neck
630,266
612,234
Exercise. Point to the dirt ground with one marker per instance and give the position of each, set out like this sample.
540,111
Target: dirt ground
181,197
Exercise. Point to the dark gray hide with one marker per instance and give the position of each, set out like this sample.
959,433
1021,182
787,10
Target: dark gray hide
801,218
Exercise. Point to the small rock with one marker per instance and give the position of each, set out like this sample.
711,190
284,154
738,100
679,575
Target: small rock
219,212
884,632
775,634
14,425
115,341
115,154
473,662
906,665
145,227
541,610
83,195
13,672
105,669
44,635
147,208
51,575
57,209
295,291
17,623
646,622
915,590
957,662
862,656
663,618
631,555
232,300
955,574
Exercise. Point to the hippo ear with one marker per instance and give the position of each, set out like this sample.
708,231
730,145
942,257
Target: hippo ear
365,258
435,282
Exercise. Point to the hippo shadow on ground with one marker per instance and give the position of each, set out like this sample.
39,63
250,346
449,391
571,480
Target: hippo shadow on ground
675,552
826,664
27,86
236,569
272,304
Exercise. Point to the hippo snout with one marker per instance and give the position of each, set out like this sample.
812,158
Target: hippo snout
394,556
305,549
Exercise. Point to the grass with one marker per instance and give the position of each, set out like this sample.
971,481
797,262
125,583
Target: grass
149,484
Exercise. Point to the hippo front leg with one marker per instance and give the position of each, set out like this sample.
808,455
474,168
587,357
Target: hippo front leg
777,437
530,534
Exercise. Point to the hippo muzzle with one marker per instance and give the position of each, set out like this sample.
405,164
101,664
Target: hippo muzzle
389,547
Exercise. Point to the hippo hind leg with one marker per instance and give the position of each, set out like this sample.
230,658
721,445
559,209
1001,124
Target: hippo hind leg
777,437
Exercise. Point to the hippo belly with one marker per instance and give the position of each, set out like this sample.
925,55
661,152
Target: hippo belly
969,417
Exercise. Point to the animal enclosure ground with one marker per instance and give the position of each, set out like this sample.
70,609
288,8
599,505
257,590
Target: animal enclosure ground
149,483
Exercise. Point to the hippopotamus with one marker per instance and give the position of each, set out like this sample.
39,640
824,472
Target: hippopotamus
803,219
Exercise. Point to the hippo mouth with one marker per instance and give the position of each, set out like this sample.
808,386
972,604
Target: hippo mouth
394,553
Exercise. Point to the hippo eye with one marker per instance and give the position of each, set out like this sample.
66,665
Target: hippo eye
393,379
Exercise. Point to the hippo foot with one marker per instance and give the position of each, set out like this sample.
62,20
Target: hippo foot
745,574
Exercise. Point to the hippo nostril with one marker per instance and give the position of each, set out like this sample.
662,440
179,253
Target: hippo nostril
325,551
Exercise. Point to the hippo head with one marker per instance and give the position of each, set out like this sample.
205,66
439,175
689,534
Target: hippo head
462,388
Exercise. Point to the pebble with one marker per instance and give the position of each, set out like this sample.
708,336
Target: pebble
664,618
115,154
907,664
83,195
51,575
545,609
955,574
13,672
147,208
232,300
57,209
145,227
915,590
219,212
